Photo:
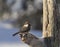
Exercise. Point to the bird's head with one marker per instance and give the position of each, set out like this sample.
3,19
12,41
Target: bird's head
27,23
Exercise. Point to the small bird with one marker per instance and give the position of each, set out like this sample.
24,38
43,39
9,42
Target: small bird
25,28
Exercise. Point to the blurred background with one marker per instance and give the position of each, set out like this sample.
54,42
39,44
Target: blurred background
18,11
13,14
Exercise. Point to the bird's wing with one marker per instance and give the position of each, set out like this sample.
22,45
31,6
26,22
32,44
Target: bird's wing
24,28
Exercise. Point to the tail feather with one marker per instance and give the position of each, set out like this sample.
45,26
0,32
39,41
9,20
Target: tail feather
16,33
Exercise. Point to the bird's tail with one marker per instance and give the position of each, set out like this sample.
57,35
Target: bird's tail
16,33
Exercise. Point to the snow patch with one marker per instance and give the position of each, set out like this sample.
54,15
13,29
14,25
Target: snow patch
12,45
6,25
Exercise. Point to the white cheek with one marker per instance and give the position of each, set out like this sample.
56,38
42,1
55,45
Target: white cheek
26,25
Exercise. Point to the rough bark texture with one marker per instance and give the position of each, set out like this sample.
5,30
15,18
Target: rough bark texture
49,23
32,40
45,18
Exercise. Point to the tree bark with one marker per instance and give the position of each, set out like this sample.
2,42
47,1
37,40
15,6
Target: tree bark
49,23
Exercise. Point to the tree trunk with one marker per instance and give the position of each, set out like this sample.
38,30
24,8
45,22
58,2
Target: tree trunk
49,23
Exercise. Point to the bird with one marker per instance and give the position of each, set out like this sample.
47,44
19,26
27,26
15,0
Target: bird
25,28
